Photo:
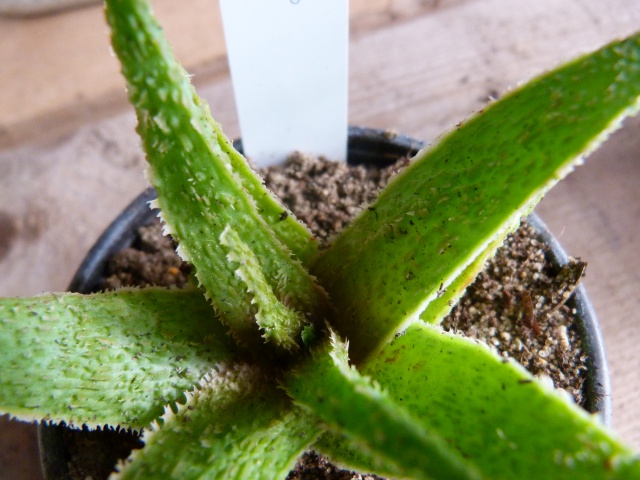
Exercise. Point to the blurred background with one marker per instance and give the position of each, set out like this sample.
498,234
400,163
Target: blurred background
70,160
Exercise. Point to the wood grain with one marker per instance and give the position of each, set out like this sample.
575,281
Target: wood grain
58,72
69,160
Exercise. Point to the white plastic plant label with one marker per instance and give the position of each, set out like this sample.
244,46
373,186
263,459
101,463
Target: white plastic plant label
289,67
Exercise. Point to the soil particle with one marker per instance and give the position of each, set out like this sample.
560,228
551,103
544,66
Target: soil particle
333,192
151,261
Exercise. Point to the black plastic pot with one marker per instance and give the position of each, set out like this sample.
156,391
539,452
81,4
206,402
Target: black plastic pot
366,146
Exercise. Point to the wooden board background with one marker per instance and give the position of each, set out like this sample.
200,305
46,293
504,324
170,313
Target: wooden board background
69,160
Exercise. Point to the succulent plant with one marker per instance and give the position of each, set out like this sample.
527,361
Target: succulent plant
280,346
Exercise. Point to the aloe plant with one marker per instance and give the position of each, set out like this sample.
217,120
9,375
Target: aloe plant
336,349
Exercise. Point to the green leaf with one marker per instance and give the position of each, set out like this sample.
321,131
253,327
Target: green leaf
280,324
446,298
203,184
349,403
235,426
506,423
112,358
470,188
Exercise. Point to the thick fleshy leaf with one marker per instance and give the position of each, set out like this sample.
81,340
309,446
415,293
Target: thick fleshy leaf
235,426
352,405
281,324
203,184
110,358
446,298
493,412
467,190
